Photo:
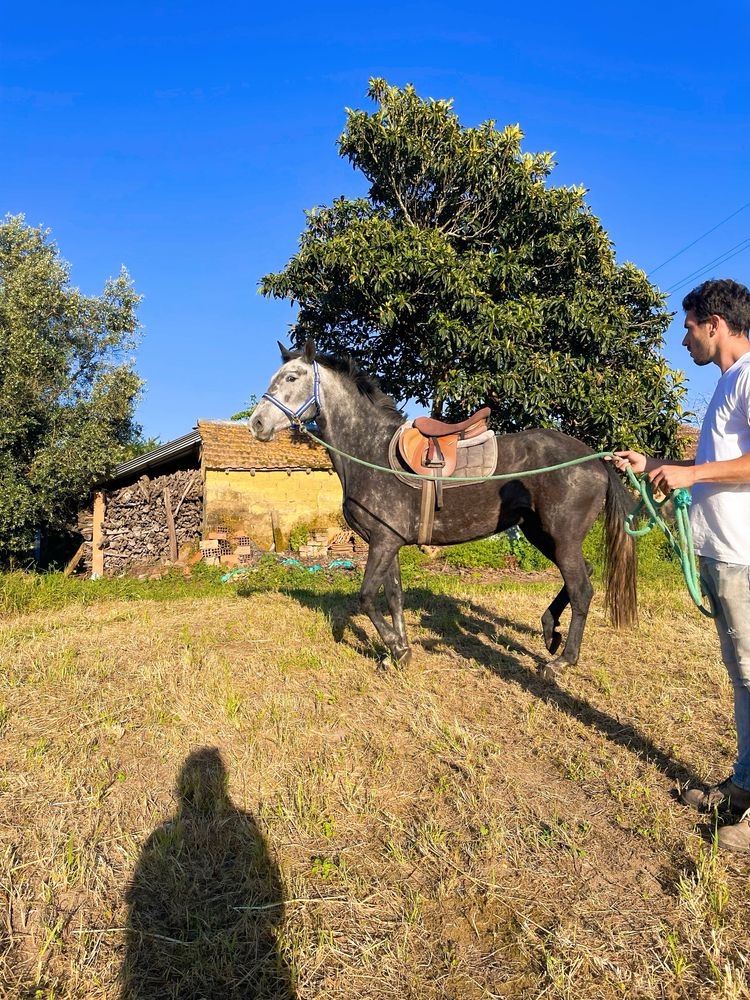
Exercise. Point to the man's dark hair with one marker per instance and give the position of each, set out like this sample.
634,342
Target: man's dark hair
721,297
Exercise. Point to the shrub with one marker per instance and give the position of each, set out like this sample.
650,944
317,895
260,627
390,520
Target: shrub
501,551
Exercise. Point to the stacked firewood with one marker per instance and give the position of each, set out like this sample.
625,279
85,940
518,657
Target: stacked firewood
150,520
347,544
86,526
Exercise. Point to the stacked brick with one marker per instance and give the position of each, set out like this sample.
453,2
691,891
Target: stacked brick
221,549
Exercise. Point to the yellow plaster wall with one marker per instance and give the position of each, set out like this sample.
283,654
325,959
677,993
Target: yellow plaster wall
245,501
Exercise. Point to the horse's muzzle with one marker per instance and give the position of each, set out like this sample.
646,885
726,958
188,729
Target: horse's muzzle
260,430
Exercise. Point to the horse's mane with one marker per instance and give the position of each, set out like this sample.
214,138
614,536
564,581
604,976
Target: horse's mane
366,385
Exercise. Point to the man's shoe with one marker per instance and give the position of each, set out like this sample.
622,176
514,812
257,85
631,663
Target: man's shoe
736,837
725,795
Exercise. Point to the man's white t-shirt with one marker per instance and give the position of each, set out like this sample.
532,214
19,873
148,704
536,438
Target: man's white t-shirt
720,512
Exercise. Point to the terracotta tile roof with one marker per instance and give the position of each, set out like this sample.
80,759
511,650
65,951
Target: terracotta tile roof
228,444
688,438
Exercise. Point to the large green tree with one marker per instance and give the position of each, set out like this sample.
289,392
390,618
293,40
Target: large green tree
465,277
68,388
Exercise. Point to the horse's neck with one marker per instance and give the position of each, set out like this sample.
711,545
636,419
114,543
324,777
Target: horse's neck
351,423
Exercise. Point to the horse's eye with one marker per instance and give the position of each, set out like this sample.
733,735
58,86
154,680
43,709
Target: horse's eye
291,378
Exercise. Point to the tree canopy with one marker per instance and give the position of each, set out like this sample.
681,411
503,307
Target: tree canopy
68,387
465,277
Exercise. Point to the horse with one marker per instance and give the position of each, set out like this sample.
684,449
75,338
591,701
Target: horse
554,509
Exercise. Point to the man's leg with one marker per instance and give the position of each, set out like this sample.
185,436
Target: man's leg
732,587
728,586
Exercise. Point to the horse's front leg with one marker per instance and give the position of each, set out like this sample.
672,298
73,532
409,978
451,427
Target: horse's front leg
394,595
379,573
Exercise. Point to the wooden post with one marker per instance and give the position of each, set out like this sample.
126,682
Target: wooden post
75,560
185,492
97,538
170,525
278,541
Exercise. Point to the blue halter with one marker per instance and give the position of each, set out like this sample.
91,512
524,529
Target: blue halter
295,416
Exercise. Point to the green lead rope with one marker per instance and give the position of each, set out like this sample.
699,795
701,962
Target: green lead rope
682,548
464,479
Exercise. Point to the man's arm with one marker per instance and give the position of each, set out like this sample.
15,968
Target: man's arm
667,476
644,463
732,470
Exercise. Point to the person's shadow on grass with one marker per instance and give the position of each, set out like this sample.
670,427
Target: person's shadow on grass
206,901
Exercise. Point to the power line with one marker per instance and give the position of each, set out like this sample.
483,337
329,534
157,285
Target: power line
738,248
698,239
724,255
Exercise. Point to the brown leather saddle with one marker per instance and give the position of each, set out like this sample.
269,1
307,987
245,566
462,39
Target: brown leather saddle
430,447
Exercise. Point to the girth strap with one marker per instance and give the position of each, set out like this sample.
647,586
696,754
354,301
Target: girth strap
426,513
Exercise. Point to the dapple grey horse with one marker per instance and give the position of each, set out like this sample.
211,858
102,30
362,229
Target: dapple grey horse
554,510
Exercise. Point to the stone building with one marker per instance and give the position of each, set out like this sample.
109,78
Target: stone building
265,487
217,477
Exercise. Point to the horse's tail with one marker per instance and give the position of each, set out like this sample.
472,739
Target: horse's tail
620,563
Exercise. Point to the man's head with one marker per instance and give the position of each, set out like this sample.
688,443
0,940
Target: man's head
715,310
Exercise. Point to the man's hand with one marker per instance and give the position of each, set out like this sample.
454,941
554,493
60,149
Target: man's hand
672,477
664,476
634,459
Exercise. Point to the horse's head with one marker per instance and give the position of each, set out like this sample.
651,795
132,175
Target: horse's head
292,396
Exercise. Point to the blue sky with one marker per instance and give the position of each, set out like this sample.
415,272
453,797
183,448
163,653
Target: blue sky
185,141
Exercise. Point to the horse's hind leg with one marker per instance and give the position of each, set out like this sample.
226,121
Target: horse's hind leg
576,591
576,572
551,617
551,621
533,531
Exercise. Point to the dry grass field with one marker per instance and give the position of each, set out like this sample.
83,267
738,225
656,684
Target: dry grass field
224,796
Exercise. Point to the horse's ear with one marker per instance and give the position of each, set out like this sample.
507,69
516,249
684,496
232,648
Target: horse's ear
285,354
309,351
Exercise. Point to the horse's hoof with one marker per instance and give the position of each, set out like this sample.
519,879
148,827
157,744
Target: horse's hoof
396,660
554,669
552,641
404,658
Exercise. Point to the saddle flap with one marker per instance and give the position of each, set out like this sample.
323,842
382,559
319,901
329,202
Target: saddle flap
414,447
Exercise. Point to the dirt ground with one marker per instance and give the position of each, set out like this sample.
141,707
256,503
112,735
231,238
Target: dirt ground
228,797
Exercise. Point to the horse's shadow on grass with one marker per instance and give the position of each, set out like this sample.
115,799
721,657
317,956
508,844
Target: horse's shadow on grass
205,901
461,625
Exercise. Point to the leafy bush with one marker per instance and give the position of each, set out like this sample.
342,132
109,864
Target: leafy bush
453,244
298,536
68,388
498,552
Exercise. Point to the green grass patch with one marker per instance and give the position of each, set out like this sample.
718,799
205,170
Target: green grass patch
25,591
655,560
272,575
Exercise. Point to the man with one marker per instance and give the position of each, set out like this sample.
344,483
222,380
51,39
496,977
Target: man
717,321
